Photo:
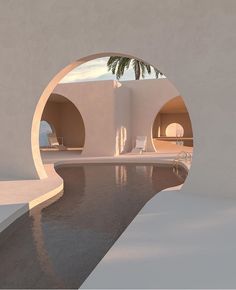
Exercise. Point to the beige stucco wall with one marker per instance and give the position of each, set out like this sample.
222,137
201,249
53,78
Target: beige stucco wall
192,42
126,110
96,103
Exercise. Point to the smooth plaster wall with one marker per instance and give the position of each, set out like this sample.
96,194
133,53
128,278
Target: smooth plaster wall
96,103
127,110
192,42
123,117
147,98
71,126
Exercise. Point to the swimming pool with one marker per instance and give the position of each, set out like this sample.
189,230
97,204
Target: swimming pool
58,246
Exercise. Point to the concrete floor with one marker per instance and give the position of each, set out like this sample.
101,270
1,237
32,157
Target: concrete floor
164,149
176,241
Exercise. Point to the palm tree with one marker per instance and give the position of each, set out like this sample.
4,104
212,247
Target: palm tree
118,64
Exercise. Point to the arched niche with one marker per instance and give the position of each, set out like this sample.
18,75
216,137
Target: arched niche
172,125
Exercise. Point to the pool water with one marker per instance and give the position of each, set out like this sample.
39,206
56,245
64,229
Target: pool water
58,245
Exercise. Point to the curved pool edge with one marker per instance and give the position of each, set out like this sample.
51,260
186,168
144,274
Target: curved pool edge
15,199
19,197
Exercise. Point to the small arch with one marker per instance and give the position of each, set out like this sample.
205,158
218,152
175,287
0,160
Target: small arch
174,130
65,121
172,126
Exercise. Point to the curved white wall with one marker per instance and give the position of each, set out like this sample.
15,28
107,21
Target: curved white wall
116,113
192,42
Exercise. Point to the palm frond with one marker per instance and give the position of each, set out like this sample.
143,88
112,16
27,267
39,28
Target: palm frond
157,72
148,68
118,64
112,59
136,67
123,64
143,69
112,63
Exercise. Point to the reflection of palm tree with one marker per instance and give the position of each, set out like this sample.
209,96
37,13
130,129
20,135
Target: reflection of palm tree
118,64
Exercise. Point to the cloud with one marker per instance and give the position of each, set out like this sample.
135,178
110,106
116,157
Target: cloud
88,71
97,70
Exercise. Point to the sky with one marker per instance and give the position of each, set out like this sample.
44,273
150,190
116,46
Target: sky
96,70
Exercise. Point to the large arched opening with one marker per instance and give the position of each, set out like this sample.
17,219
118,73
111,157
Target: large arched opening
138,122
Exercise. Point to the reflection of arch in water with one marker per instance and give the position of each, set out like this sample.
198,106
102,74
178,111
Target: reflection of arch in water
89,213
121,175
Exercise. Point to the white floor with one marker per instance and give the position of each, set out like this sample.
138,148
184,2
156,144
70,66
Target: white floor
57,157
176,241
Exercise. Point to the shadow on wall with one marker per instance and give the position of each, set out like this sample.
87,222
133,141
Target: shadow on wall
66,122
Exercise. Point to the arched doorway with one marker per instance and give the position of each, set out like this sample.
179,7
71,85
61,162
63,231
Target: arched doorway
172,128
142,127
64,128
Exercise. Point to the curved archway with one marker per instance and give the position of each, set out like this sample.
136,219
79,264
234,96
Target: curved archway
66,125
49,90
172,128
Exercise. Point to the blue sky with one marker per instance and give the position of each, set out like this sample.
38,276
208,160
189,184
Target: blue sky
96,70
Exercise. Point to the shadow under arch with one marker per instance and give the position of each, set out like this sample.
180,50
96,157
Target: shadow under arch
44,97
66,120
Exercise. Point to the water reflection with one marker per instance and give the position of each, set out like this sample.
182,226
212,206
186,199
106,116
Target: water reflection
121,175
59,245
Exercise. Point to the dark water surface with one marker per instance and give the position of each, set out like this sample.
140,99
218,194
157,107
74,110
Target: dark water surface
58,245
